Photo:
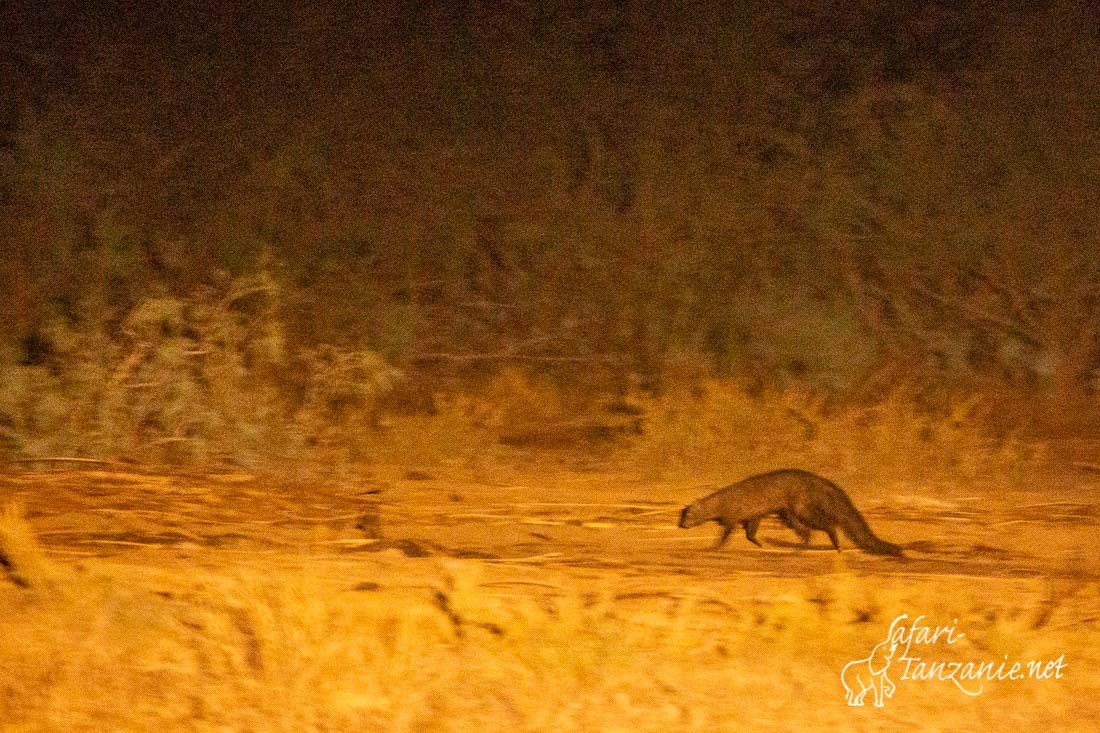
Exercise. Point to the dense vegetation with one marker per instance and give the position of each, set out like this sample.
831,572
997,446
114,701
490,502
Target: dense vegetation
216,223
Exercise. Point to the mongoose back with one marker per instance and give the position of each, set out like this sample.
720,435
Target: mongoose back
802,500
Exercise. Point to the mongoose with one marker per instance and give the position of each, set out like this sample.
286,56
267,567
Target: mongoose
802,500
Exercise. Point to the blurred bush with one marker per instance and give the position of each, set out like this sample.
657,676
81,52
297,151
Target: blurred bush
851,200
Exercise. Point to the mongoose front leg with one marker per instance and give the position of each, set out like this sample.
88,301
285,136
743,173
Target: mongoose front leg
751,526
726,530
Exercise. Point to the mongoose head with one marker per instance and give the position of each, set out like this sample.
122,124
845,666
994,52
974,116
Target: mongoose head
692,516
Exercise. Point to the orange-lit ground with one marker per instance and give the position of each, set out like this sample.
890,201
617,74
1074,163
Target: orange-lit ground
552,600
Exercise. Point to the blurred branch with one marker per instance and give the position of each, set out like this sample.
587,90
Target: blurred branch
971,311
62,459
507,356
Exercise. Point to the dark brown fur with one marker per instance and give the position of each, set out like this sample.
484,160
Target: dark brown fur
802,500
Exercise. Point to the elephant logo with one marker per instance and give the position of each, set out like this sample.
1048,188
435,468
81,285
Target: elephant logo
866,675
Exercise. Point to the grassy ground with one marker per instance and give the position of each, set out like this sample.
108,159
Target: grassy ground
540,600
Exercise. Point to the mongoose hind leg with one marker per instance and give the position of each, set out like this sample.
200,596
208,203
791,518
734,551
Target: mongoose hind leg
797,525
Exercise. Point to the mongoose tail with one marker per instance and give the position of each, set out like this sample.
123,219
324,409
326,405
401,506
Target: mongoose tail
859,532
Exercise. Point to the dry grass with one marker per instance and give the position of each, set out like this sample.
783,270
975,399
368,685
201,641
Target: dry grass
235,642
721,432
20,556
712,432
